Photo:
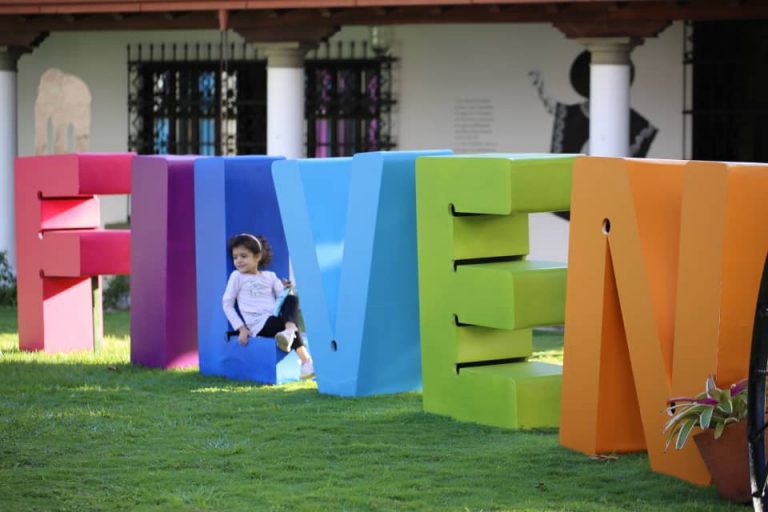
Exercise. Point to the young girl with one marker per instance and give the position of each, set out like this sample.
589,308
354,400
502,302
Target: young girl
256,291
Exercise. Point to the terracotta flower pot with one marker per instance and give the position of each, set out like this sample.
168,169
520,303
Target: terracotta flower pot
727,460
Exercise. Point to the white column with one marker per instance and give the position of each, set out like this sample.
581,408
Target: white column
609,105
8,149
285,99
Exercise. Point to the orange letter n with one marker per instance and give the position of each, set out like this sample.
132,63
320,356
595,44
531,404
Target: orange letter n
664,268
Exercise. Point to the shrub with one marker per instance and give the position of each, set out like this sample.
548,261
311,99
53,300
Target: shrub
7,282
117,293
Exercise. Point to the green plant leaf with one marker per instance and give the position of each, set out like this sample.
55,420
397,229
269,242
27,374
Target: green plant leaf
725,404
717,394
682,436
710,386
706,418
719,428
676,425
739,406
690,413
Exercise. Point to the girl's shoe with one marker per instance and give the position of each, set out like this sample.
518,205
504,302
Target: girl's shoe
307,370
285,339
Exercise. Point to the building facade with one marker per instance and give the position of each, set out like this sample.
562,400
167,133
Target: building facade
497,79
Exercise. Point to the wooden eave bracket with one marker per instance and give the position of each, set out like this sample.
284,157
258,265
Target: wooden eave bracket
604,27
309,35
24,40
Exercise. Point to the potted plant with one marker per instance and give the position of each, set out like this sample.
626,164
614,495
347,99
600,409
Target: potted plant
724,450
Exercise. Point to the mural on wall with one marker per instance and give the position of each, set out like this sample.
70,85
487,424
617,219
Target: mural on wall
62,114
570,132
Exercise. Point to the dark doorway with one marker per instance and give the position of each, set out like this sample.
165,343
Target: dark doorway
730,91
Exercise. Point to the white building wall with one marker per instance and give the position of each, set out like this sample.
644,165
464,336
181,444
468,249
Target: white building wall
100,60
463,87
444,66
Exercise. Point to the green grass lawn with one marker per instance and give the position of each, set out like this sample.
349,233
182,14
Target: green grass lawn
90,432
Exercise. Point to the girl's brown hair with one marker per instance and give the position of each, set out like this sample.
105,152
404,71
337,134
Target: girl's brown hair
257,244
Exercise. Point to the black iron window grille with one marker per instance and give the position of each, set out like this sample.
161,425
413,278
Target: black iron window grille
211,100
193,99
349,101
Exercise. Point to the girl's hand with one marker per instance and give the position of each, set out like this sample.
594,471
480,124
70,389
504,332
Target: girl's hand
242,337
287,283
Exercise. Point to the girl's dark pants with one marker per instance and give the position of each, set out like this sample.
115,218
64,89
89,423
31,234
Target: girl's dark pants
289,312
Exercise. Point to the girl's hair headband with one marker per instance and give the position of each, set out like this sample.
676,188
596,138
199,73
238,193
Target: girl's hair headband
258,242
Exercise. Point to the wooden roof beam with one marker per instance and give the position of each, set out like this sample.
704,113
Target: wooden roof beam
326,13
615,6
72,18
122,16
556,7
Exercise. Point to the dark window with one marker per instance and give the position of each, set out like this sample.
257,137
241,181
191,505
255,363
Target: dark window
186,99
729,102
348,103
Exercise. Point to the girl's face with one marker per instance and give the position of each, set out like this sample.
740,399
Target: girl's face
246,261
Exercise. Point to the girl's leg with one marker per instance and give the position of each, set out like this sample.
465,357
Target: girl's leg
300,348
289,314
289,311
307,367
284,335
303,354
272,326
276,327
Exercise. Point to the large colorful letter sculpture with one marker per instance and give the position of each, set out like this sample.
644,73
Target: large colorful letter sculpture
236,195
60,246
479,296
665,265
163,309
350,225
